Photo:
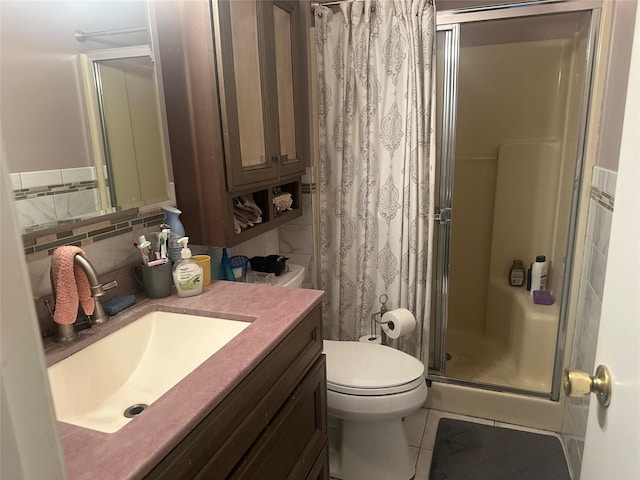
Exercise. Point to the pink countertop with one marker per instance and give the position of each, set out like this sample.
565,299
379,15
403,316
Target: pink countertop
132,451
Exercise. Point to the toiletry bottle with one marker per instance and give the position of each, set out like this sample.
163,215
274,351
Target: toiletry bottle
226,272
516,274
539,274
187,273
176,228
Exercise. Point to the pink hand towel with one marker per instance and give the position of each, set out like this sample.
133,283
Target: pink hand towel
71,284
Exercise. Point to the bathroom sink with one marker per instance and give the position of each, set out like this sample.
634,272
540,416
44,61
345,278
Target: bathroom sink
129,369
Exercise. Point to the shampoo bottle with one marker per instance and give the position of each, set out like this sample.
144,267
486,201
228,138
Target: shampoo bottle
539,274
187,273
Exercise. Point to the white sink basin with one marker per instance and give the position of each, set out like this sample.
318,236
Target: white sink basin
134,365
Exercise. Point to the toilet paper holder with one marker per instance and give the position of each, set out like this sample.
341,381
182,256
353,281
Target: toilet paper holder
376,318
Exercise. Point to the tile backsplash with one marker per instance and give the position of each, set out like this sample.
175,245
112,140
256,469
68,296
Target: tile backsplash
297,237
38,246
108,243
50,197
600,213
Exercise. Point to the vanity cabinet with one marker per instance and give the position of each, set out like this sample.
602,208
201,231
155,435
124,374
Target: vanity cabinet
236,93
273,425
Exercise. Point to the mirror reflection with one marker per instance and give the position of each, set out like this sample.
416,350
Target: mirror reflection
82,121
127,111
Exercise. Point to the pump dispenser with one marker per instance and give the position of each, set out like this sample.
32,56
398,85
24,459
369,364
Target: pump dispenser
187,273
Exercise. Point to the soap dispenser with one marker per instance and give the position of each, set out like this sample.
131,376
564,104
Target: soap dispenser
187,273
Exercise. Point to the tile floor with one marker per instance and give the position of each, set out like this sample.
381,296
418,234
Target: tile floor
421,428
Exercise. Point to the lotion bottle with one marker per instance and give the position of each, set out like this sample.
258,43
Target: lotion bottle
187,273
539,274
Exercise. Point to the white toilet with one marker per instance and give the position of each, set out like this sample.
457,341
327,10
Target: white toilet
291,278
370,387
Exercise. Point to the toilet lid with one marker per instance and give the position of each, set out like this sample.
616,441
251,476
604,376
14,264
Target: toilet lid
369,369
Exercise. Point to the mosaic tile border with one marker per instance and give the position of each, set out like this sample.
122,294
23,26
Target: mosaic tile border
56,189
603,187
39,244
308,188
602,198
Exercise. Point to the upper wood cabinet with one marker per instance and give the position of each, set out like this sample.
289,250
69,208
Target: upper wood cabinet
261,67
235,78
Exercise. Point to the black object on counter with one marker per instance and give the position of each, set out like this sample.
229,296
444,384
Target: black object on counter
269,264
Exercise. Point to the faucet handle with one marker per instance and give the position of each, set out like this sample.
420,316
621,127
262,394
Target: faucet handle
99,290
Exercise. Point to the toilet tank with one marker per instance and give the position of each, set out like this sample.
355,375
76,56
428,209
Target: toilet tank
292,278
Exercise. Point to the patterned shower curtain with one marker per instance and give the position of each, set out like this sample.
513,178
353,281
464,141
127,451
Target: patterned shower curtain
376,163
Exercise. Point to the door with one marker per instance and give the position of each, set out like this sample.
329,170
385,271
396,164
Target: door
612,441
507,187
241,54
260,68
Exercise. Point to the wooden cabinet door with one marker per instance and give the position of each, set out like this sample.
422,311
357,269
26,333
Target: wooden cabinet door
262,76
286,33
291,444
250,154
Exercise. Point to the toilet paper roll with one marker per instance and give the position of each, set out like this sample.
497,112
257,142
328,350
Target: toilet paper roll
399,322
367,339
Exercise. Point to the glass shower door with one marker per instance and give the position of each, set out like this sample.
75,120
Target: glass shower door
511,112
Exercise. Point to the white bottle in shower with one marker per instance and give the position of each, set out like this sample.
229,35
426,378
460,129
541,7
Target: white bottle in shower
539,274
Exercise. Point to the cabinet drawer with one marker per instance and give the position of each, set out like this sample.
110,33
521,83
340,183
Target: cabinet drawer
215,446
290,445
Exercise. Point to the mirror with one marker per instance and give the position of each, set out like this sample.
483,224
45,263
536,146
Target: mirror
83,123
122,101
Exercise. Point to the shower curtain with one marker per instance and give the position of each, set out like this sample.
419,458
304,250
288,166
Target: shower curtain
376,163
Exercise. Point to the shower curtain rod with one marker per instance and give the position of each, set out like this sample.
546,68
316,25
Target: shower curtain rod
81,36
329,4
337,2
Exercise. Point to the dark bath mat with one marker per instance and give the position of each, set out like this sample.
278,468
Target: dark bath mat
472,451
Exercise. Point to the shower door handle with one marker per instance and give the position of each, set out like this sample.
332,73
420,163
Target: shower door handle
442,215
578,383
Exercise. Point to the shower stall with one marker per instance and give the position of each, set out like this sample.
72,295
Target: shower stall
513,88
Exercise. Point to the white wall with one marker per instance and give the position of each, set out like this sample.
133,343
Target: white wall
29,439
43,113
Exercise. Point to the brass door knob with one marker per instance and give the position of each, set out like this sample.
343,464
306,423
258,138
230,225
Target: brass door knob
578,383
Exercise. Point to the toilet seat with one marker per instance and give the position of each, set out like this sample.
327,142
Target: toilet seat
365,369
365,392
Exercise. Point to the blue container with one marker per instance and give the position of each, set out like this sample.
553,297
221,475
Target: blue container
172,219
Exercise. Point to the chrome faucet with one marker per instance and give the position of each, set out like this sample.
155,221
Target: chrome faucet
67,332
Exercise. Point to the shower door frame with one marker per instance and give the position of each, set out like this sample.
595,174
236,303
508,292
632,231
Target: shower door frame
449,22
445,190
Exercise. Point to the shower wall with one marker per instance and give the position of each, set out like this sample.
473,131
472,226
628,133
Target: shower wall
510,146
